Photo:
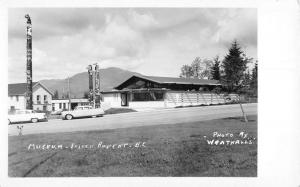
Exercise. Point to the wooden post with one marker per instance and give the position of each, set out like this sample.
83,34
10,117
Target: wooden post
69,94
94,95
244,114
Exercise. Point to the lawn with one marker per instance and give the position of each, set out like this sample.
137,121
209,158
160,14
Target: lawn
166,150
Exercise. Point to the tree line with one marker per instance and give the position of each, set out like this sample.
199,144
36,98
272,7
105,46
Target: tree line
232,71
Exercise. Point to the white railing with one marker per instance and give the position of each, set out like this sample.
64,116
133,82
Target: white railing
195,98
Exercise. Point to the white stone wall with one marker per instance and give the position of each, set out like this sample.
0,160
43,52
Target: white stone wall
18,104
114,99
146,104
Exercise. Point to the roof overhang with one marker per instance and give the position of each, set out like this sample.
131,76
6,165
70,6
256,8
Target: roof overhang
145,78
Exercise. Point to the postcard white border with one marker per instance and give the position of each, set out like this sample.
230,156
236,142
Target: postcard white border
278,108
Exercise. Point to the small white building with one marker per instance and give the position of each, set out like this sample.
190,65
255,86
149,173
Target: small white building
60,104
63,104
42,96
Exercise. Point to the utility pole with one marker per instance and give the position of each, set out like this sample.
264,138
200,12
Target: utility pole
94,95
63,92
29,103
69,94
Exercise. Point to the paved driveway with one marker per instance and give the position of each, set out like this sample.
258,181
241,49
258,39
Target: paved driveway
157,117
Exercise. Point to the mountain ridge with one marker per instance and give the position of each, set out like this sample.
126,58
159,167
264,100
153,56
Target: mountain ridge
109,78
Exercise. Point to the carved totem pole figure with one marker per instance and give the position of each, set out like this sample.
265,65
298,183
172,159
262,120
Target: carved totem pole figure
29,103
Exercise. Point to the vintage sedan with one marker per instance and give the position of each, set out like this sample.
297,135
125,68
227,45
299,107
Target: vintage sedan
82,111
26,116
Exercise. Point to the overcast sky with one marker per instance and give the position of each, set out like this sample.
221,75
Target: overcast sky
151,41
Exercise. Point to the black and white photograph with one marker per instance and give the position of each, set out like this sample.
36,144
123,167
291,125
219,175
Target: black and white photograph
132,94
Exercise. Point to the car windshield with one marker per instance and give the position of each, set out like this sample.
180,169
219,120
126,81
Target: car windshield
20,112
23,112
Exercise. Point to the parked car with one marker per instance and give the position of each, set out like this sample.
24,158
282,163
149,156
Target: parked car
82,111
26,116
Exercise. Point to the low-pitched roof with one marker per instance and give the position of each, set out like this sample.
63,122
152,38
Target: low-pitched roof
20,88
178,80
173,80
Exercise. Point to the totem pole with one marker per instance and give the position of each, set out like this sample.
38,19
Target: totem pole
90,72
97,86
29,103
94,85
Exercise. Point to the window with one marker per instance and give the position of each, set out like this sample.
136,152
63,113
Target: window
17,98
148,96
38,99
45,98
59,105
64,105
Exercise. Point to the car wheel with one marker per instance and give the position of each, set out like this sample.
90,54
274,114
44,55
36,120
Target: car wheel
69,116
34,120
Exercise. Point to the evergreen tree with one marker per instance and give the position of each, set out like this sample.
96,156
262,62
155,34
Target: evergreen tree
215,70
234,65
253,82
86,94
247,80
55,96
65,96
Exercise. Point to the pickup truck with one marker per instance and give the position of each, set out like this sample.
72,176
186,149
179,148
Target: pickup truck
82,111
26,116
